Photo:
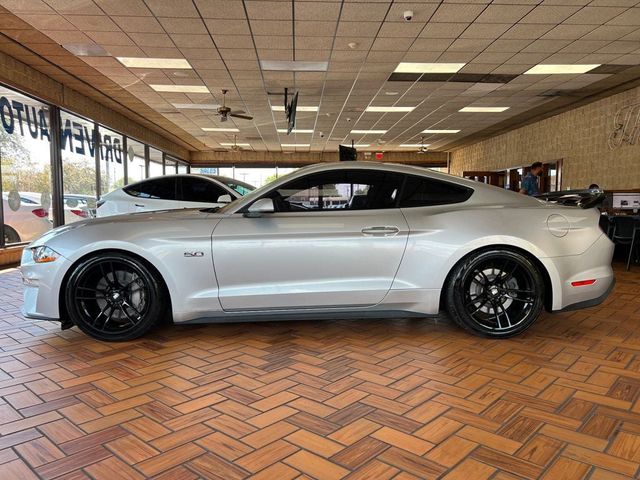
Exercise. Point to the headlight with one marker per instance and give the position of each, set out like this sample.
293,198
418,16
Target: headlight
44,254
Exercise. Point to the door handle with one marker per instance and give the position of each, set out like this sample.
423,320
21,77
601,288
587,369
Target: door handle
380,231
139,205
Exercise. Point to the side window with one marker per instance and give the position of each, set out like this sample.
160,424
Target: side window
339,190
196,189
423,192
156,188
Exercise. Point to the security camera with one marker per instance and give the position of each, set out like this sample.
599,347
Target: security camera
348,119
321,134
408,15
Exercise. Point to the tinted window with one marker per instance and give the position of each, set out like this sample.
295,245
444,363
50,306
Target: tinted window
422,192
242,189
196,189
339,190
159,188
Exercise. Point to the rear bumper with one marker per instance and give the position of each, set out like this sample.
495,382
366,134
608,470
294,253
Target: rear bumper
593,264
590,303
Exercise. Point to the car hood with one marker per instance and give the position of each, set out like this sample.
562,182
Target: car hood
126,222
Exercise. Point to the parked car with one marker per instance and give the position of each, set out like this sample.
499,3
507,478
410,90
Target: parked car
172,192
25,224
414,241
76,207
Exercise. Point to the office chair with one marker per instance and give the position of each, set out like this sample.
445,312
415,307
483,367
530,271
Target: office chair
626,231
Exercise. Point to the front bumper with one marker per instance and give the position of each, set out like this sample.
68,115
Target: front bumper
42,287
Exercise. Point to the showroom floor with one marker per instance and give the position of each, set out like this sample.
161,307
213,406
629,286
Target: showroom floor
399,399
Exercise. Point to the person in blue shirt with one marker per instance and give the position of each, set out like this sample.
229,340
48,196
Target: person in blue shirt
529,184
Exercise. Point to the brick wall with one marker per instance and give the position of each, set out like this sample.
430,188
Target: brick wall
578,136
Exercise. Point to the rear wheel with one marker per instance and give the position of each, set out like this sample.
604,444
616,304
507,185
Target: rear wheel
10,235
114,297
496,293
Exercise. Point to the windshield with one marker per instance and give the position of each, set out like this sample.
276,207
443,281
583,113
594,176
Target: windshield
240,187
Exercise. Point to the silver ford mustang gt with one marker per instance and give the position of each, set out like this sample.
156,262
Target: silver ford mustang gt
337,240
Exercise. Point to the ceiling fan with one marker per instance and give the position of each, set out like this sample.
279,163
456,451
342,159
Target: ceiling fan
235,147
226,112
423,148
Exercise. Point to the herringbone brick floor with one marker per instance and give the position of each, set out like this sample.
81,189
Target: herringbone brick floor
401,399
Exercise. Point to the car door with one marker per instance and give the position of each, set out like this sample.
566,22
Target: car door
336,239
197,192
159,193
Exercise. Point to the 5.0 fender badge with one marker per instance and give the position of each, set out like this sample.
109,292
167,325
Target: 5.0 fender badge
194,254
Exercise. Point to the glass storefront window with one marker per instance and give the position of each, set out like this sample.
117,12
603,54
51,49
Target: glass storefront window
135,157
78,145
170,166
25,172
182,168
111,161
155,162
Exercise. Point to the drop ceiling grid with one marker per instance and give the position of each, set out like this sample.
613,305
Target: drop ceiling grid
505,37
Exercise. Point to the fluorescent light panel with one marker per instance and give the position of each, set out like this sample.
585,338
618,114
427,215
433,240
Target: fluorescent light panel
483,109
364,132
294,145
440,131
166,63
218,129
299,108
295,130
560,69
180,88
293,66
199,106
357,145
238,144
411,67
414,145
389,109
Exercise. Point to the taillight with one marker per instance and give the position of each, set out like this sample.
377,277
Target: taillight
40,212
80,213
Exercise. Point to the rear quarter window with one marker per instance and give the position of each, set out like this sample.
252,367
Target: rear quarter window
424,192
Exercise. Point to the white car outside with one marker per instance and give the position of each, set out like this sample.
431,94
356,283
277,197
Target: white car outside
171,192
76,207
26,223
401,241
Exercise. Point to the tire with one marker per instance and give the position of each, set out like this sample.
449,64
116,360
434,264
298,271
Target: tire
10,235
114,297
495,293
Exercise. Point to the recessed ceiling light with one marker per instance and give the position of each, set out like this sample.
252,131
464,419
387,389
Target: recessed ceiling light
180,88
294,145
440,131
299,108
199,106
293,66
559,69
411,67
389,109
414,145
86,50
218,129
295,130
364,132
166,63
483,109
238,144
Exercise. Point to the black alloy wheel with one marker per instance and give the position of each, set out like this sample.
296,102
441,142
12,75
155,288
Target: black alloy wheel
114,297
495,293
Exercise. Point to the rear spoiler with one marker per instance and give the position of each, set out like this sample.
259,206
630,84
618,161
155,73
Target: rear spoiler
589,198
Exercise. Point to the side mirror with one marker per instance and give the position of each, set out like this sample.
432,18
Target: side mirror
257,208
226,198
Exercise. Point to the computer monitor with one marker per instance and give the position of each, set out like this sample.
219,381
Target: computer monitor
626,201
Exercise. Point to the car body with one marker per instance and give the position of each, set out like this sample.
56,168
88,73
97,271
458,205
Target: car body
26,223
172,192
407,241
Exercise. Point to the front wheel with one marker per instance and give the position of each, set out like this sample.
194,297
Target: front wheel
495,293
114,297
